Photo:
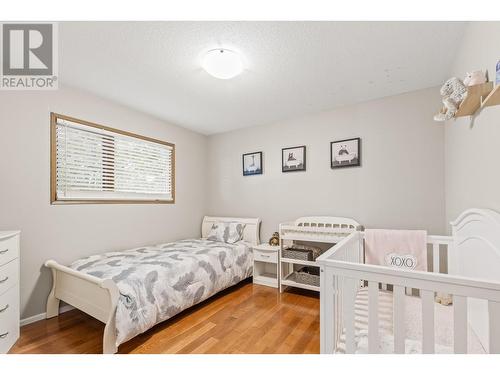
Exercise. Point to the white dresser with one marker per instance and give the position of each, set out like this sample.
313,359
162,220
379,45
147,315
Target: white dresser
9,289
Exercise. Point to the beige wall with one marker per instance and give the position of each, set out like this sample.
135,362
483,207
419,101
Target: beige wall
400,183
473,153
65,233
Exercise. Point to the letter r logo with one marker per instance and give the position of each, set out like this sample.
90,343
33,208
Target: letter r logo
27,49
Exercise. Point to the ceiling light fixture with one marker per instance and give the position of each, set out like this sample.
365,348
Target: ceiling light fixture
222,63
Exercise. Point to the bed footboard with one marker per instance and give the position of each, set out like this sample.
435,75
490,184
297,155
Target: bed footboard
92,295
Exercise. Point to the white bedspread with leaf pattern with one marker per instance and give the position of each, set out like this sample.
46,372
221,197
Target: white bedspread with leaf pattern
157,282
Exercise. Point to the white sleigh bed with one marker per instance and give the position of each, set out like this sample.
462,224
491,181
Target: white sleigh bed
99,297
358,317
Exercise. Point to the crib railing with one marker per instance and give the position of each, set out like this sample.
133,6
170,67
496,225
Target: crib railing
343,273
348,250
434,244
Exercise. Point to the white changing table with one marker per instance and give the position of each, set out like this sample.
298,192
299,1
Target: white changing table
323,229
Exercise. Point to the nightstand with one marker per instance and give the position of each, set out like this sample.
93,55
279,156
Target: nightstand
265,265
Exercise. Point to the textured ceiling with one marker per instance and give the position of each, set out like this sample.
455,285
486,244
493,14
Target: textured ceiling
291,68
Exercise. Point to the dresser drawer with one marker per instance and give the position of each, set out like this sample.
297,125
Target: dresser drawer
9,318
265,256
9,249
9,275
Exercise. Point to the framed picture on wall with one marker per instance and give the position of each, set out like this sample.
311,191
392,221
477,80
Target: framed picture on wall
345,153
252,163
293,159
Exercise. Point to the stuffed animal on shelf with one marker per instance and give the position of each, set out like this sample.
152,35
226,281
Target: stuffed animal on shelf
275,239
453,92
497,81
444,299
476,77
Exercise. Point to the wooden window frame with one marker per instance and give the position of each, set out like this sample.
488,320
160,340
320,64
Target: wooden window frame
53,167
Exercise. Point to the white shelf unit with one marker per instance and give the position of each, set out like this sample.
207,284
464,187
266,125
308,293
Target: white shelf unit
319,229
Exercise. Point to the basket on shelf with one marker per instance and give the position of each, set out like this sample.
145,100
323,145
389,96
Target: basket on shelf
297,254
301,252
308,275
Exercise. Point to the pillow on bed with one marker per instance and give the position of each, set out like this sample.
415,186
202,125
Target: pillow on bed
226,232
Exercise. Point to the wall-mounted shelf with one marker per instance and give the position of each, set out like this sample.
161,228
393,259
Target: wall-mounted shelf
493,98
474,100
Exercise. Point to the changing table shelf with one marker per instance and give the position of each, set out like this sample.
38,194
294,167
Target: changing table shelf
318,229
290,282
299,261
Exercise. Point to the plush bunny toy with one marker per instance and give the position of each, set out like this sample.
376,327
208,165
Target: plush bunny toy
453,92
474,78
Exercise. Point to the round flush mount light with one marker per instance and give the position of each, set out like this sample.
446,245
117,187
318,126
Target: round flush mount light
222,63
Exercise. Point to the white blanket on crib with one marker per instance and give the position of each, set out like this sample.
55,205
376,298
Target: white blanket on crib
386,345
443,326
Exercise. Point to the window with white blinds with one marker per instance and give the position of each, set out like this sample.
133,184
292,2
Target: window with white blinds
97,163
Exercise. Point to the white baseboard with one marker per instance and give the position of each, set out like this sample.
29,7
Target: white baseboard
36,318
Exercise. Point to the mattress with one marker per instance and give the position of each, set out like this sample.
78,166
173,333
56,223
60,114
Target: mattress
443,326
157,282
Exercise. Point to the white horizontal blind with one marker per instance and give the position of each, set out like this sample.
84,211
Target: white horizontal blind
97,164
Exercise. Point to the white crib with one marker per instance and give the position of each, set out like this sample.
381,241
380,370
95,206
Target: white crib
473,279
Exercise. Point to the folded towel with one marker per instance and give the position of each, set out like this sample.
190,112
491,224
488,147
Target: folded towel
405,249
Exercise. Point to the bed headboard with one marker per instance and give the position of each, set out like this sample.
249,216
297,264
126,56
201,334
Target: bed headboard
476,254
476,240
250,233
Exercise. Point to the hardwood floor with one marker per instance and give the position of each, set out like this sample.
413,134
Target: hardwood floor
246,318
